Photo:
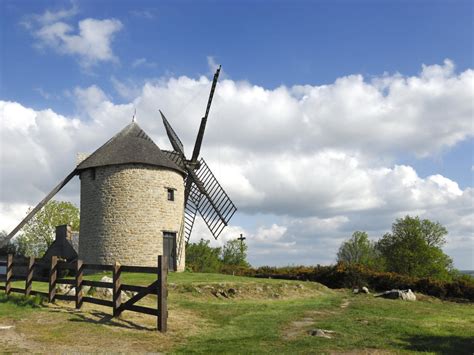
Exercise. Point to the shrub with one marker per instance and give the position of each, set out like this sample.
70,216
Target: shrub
343,276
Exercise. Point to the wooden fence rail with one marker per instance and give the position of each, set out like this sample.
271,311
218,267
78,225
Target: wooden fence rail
158,287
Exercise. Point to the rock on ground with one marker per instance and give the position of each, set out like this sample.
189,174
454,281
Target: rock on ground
406,295
322,333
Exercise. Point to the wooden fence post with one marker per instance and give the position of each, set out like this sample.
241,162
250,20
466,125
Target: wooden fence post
53,273
79,273
162,290
116,290
29,275
8,282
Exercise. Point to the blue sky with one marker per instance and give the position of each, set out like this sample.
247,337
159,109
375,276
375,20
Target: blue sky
270,45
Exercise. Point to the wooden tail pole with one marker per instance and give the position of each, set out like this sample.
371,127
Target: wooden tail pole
29,275
79,273
9,279
116,291
53,275
39,206
162,293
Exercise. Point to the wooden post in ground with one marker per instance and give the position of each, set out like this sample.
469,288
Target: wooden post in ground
29,275
9,279
116,290
53,274
162,293
79,273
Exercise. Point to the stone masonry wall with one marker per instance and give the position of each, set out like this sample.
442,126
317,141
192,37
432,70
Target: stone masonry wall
124,212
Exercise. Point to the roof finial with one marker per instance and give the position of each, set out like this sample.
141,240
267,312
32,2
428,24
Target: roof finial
134,118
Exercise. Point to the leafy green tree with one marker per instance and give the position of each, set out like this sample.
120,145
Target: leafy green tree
359,250
39,233
201,257
235,253
9,247
414,248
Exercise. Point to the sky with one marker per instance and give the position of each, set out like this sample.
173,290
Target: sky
329,116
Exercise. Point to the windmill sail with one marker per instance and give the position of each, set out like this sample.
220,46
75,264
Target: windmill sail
190,210
173,137
202,192
215,206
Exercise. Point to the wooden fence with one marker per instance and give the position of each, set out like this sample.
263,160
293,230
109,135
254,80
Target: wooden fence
158,287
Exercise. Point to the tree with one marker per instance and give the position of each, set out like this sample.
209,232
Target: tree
414,248
201,257
235,253
8,247
39,233
359,250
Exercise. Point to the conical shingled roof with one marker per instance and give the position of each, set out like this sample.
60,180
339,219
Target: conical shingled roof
130,145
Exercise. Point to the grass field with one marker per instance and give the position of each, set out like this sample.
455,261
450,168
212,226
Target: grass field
265,316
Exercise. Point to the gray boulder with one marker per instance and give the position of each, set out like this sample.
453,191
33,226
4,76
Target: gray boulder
365,290
405,295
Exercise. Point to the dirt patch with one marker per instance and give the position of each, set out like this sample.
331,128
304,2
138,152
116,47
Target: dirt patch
13,341
301,327
92,329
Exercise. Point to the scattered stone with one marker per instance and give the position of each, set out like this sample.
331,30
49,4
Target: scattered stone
365,290
232,291
405,295
107,292
104,291
355,291
276,295
63,288
106,279
323,333
300,286
197,289
258,289
223,294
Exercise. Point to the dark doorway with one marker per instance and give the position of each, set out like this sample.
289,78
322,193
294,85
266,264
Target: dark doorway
169,249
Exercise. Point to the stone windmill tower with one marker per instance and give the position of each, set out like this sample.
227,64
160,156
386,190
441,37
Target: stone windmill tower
132,199
138,201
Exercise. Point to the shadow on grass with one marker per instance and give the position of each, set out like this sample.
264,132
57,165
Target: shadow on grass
441,344
104,318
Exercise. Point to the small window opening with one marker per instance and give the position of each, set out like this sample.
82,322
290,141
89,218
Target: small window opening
93,173
170,194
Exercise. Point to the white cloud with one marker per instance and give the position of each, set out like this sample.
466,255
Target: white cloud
49,17
143,62
308,156
148,14
90,42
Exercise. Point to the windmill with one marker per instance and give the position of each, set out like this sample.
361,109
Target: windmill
132,194
202,192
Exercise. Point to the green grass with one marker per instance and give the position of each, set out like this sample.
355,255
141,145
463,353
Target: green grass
16,306
254,322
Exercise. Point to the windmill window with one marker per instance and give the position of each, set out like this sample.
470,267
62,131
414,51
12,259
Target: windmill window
93,173
170,194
